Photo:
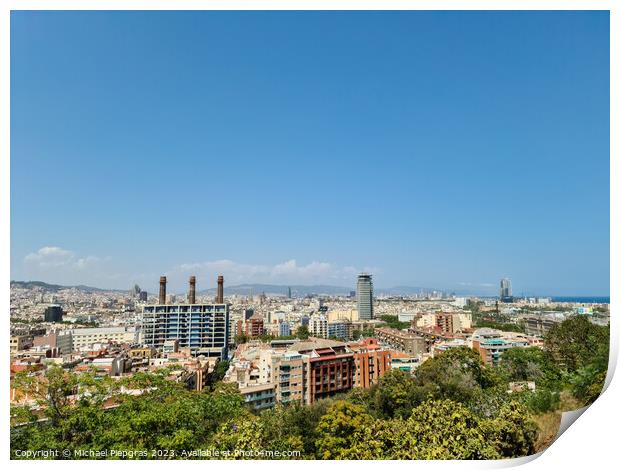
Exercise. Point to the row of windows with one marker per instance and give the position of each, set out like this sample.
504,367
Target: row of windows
202,309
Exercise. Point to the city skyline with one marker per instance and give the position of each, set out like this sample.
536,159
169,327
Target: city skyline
208,288
230,143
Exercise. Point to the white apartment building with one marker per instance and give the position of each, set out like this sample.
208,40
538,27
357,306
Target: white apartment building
318,326
120,334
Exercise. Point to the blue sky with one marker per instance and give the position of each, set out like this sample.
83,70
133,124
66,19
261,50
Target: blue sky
438,149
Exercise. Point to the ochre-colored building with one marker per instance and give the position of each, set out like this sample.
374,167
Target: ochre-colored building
371,362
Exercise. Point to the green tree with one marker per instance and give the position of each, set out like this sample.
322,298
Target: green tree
89,412
457,374
531,364
297,419
576,342
581,350
357,334
252,437
588,382
437,429
541,400
302,332
394,395
512,432
343,432
241,339
220,371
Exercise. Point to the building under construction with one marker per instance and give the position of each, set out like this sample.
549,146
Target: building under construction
203,328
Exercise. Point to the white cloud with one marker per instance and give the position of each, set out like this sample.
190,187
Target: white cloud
62,266
83,263
286,272
56,257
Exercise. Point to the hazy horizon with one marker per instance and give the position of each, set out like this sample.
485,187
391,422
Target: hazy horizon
174,288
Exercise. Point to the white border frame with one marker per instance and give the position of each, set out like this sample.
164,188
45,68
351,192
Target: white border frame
591,443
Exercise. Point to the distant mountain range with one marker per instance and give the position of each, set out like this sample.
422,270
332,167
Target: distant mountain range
273,289
302,291
56,287
245,289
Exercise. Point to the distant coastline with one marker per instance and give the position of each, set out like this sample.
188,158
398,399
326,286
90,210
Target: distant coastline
582,300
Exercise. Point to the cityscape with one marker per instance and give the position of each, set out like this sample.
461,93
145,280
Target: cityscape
275,351
306,235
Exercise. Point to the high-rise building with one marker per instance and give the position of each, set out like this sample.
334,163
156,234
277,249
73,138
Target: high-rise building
364,296
143,296
53,313
203,328
290,296
505,290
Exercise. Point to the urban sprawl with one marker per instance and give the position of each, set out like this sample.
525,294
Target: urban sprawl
274,349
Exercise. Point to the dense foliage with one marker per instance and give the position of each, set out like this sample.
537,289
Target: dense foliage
581,351
453,408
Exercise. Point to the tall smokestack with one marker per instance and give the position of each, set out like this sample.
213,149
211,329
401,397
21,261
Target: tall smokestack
220,290
192,290
162,290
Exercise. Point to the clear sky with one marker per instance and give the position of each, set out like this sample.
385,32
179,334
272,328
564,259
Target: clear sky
436,149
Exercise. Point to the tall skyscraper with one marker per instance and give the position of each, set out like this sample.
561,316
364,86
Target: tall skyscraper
364,297
505,290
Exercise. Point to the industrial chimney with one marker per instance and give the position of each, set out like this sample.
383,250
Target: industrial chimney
192,290
162,290
220,290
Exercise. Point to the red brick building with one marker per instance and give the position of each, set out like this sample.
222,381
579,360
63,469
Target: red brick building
253,327
331,372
